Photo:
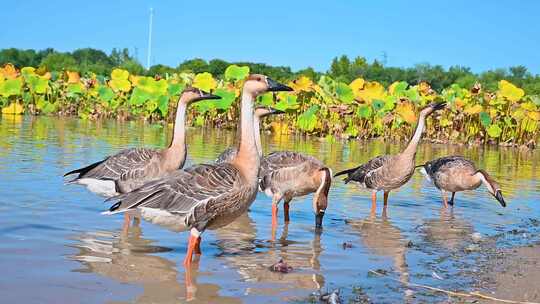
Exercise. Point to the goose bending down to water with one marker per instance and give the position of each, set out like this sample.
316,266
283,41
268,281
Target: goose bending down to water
131,168
389,172
206,196
260,112
455,174
285,175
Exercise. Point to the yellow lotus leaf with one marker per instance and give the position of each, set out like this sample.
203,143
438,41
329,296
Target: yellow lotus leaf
134,80
280,127
119,74
13,108
534,115
518,114
529,106
28,71
459,102
406,111
120,85
9,71
473,109
493,113
372,90
357,84
204,81
510,91
73,77
424,88
302,84
46,76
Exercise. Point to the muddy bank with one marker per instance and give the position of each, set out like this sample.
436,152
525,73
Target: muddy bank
515,275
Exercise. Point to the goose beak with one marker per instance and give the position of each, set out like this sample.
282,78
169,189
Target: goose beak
499,197
276,111
438,106
206,95
318,220
274,86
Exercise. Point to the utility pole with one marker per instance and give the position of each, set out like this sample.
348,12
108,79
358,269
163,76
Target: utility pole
149,52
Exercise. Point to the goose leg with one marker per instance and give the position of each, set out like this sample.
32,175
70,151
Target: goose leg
275,201
286,210
444,199
386,198
193,236
451,202
197,249
373,202
127,221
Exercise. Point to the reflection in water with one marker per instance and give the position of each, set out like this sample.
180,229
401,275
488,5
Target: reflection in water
382,238
130,259
447,231
252,259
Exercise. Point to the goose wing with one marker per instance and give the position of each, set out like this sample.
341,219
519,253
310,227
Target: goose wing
366,173
199,193
279,160
126,164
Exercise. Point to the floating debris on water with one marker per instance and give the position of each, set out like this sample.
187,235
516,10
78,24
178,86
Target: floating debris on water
281,267
331,298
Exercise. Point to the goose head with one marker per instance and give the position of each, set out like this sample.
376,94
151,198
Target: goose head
320,198
191,94
432,107
263,111
257,84
492,186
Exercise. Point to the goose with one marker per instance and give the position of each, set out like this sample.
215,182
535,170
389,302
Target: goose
131,168
286,175
455,174
389,172
206,196
260,112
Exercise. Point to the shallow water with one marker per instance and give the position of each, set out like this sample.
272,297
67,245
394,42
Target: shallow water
55,247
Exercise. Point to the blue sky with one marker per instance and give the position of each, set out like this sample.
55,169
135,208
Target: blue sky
479,34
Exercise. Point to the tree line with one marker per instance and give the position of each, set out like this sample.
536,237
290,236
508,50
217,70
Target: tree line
342,68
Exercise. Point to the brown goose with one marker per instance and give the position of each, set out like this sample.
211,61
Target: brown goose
260,112
131,168
206,196
286,175
456,173
388,172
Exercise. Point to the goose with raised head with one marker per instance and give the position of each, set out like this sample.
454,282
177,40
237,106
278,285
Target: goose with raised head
286,175
389,172
131,168
260,112
206,196
456,173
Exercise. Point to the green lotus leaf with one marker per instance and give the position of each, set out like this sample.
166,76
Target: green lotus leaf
308,120
344,92
199,121
494,131
11,87
485,119
235,73
175,89
267,99
151,105
289,102
163,105
28,71
37,84
364,111
139,96
227,99
536,99
122,85
105,94
377,104
75,88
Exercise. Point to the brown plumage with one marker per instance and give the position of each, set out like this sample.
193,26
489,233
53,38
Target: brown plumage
388,172
285,175
206,196
260,112
455,174
131,168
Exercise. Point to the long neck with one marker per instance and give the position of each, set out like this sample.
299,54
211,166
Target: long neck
179,132
247,159
484,178
410,150
257,130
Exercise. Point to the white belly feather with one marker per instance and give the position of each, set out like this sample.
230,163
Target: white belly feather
101,187
164,218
